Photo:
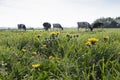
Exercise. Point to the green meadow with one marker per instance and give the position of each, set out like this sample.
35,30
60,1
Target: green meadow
60,55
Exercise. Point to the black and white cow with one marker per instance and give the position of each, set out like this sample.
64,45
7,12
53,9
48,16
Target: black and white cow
21,26
98,25
46,25
57,25
84,25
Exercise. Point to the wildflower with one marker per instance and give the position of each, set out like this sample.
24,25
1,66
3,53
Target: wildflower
88,43
76,35
51,57
53,33
93,40
23,50
57,33
35,65
106,37
38,36
69,36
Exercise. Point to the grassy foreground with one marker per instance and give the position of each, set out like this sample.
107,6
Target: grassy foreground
65,55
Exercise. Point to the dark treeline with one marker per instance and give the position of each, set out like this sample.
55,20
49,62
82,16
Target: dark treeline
109,22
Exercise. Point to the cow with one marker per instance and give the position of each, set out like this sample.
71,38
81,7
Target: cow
57,25
46,25
21,26
84,25
98,25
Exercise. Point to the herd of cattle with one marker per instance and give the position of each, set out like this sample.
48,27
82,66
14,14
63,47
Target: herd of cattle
86,25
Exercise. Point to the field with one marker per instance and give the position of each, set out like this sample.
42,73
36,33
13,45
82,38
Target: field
60,55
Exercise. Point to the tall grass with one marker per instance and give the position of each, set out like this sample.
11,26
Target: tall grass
40,55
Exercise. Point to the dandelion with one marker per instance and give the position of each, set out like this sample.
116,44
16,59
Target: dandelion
88,43
106,38
93,40
38,36
35,65
69,36
57,33
23,50
51,57
53,33
76,35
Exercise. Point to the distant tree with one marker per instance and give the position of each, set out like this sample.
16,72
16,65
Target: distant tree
113,24
117,19
109,22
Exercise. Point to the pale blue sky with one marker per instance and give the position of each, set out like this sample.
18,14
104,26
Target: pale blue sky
66,12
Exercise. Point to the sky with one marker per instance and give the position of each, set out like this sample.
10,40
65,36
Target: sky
33,13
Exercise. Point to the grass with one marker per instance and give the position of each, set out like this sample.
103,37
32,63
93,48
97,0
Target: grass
40,55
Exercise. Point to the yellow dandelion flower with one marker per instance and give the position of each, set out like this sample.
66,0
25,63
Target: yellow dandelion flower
93,40
51,57
35,65
53,33
24,50
106,37
38,35
57,33
88,43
